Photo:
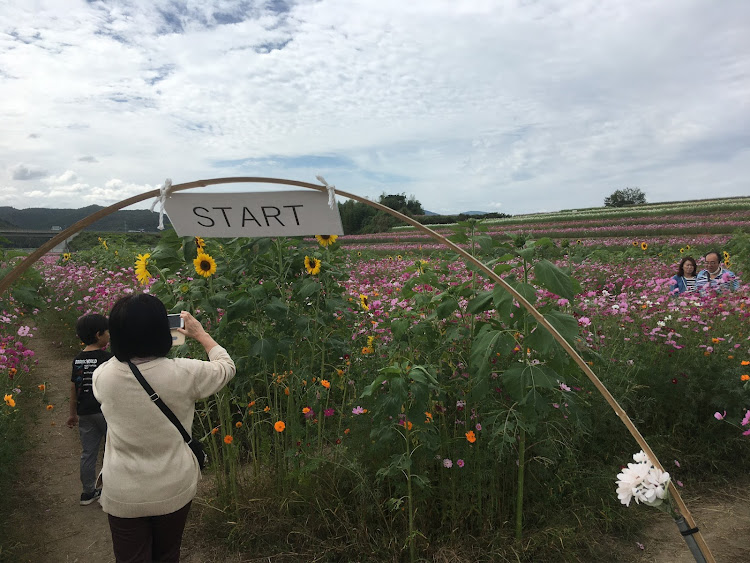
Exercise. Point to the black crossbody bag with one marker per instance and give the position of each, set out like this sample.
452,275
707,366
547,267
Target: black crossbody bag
195,445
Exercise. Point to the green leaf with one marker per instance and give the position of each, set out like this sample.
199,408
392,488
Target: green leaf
459,238
264,348
555,280
240,309
446,307
485,242
482,302
487,343
399,328
276,309
518,380
309,287
565,324
543,342
502,268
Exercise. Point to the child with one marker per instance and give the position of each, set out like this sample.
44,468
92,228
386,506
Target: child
84,408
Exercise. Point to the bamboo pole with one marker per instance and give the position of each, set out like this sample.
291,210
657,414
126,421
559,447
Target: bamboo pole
8,280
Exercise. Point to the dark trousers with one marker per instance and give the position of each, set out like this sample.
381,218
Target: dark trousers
150,539
92,429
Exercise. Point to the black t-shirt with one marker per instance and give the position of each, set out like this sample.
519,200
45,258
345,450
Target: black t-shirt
84,365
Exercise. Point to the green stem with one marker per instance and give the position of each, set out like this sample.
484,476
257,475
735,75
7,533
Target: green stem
519,490
412,539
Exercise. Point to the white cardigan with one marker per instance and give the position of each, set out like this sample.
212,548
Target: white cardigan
148,468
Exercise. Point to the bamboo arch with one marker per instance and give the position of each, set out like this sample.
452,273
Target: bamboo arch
22,266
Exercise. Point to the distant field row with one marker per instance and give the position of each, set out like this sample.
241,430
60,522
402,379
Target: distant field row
722,207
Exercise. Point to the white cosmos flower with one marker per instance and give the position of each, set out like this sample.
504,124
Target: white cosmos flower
643,482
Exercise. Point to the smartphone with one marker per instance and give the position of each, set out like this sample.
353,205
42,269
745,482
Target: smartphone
176,321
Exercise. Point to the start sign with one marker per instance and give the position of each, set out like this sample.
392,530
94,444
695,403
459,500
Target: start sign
267,214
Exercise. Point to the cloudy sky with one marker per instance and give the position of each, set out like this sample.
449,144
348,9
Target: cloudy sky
495,105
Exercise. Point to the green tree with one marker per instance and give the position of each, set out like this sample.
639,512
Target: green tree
627,196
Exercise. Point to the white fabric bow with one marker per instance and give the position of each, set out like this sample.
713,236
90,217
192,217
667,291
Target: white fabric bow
164,192
331,192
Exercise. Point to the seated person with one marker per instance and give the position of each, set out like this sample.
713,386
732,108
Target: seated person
716,276
685,279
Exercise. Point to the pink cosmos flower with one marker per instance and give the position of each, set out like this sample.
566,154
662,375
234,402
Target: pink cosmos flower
460,463
447,463
720,416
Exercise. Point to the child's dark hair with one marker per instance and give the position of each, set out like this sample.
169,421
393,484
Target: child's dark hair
89,327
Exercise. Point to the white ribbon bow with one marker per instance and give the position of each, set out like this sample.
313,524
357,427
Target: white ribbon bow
331,192
164,192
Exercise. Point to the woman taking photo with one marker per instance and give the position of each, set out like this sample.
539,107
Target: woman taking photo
684,281
150,474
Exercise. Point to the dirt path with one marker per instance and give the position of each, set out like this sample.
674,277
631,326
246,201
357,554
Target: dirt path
47,524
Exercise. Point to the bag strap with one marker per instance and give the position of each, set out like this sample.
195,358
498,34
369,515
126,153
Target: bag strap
154,396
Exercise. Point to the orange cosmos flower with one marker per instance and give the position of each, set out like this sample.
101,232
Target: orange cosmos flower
215,430
325,383
305,410
279,426
471,437
41,387
228,439
50,407
745,363
745,377
238,425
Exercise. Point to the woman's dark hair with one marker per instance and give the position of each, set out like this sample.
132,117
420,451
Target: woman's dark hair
681,271
139,328
89,327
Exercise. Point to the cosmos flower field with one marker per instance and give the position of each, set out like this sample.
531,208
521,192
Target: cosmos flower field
387,394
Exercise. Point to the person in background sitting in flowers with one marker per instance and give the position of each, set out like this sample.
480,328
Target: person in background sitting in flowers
716,276
84,408
685,278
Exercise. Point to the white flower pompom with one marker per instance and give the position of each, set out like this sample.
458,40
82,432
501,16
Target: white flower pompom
643,482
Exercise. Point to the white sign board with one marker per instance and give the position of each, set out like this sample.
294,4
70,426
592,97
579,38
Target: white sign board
266,214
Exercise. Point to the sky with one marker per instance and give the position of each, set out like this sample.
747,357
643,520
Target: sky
514,106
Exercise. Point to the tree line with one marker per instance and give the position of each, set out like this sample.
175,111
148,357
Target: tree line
360,218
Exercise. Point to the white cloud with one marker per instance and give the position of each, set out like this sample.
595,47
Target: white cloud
67,176
462,104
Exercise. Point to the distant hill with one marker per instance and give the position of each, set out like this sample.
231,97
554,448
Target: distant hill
42,219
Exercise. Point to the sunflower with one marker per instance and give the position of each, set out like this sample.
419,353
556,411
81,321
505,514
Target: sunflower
363,301
312,265
200,243
635,243
326,240
644,246
141,271
204,265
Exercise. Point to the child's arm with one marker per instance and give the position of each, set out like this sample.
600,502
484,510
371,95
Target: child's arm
73,418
